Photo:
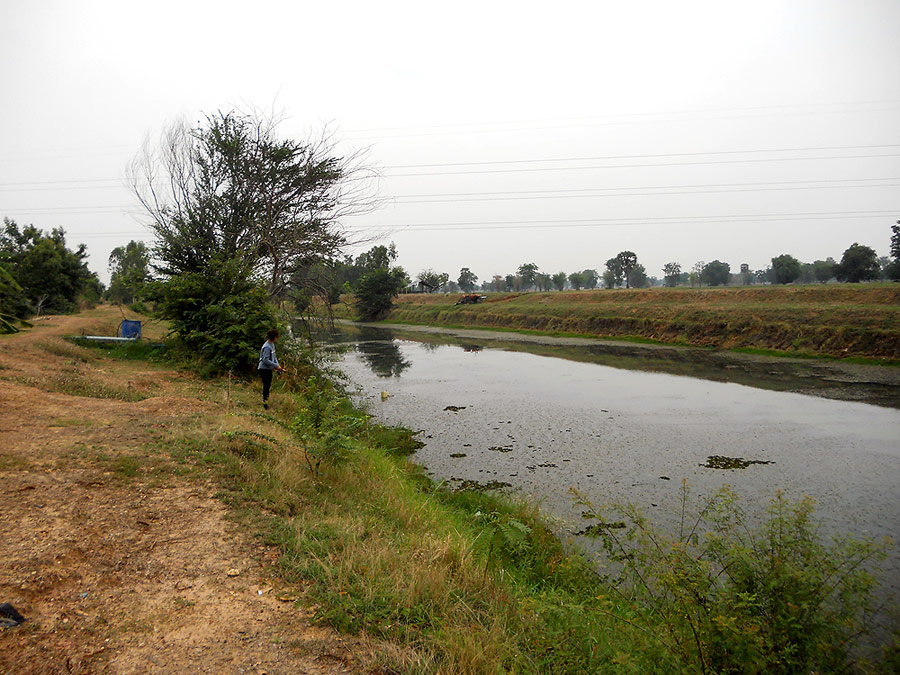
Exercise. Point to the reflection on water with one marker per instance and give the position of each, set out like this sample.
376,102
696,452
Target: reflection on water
383,356
819,378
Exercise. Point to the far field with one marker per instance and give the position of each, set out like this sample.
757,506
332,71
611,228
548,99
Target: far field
837,320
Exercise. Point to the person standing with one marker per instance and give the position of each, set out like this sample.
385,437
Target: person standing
268,364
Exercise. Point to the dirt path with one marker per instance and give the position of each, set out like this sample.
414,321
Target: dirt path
119,564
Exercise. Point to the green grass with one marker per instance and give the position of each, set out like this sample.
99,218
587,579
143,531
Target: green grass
462,582
140,350
452,582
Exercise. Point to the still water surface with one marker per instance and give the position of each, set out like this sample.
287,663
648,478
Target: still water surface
545,425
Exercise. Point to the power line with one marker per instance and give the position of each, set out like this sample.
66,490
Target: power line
696,188
674,190
648,156
595,222
568,122
631,192
635,166
118,182
614,222
649,187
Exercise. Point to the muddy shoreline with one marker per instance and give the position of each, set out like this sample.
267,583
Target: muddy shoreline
833,379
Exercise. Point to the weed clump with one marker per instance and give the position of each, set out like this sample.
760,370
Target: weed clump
723,596
727,463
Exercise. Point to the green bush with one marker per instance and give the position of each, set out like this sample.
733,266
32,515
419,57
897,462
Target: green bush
375,292
220,316
326,425
724,597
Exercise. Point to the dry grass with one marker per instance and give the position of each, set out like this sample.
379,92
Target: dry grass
835,320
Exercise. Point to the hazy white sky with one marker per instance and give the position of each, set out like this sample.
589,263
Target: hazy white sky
681,131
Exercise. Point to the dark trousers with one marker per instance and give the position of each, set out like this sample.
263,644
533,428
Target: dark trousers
266,376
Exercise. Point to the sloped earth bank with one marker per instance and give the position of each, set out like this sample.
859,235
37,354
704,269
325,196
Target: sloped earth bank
119,564
837,320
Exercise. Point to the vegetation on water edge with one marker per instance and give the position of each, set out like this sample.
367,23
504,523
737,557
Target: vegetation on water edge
826,320
474,582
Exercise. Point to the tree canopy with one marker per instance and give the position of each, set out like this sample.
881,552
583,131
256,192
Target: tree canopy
431,280
243,217
672,273
376,289
893,269
467,280
626,262
129,268
786,269
51,276
859,263
715,273
637,278
231,188
528,273
576,280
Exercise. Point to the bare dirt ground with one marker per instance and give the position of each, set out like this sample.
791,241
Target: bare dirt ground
119,564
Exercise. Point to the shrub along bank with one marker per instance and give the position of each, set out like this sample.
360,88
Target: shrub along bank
838,320
470,581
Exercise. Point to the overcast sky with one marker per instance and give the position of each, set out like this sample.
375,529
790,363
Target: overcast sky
682,131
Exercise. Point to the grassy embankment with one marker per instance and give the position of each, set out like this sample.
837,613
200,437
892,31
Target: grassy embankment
859,321
462,582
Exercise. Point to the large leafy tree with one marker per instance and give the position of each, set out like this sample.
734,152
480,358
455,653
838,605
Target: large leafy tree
528,273
895,241
893,270
251,213
672,273
786,269
637,278
129,268
859,263
431,280
591,278
231,188
10,291
614,275
220,314
559,281
51,276
715,273
467,280
381,282
823,270
627,260
576,279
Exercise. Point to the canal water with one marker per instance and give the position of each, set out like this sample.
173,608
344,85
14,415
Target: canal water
545,425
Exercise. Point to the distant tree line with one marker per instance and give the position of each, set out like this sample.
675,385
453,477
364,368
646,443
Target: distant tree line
858,263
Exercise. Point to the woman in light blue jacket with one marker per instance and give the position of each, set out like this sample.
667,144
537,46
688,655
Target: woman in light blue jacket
268,364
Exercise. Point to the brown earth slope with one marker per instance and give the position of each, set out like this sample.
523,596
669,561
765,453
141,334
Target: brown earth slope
121,560
838,320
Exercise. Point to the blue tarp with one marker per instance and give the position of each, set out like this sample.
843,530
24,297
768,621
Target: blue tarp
130,329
